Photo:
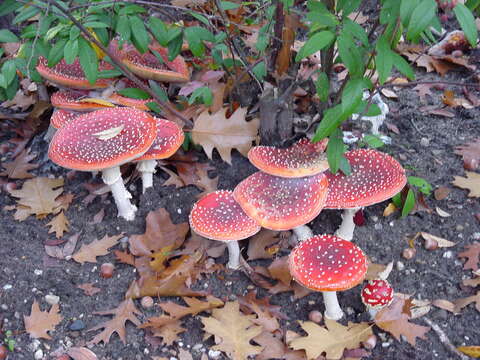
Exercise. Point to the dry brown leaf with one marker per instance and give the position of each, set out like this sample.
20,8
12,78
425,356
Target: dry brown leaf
444,304
461,303
88,289
472,253
332,340
273,347
89,252
38,323
279,270
423,91
20,167
470,151
440,241
473,351
21,101
197,174
471,282
38,197
435,110
259,246
124,257
441,193
59,225
233,331
169,333
188,3
373,270
471,182
66,250
126,311
81,353
194,307
216,131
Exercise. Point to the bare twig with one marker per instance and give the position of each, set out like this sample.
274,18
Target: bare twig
433,82
444,339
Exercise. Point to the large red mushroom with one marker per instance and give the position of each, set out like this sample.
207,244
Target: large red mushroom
58,119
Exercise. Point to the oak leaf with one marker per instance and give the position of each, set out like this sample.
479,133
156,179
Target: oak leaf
332,340
469,151
197,174
473,256
233,331
58,225
38,323
20,167
124,257
260,246
126,311
471,182
216,131
89,252
461,303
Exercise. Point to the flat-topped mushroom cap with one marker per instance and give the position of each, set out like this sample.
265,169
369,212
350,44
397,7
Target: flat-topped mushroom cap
61,117
280,203
327,263
148,66
303,158
72,100
71,75
102,139
377,294
375,177
169,138
218,216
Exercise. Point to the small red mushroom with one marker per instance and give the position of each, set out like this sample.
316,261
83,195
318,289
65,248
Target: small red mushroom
76,101
377,294
59,118
375,177
328,264
218,216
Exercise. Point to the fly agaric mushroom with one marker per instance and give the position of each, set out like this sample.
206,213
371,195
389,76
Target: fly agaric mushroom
301,159
71,75
375,177
147,66
328,264
169,138
59,118
377,294
77,101
104,140
218,216
283,203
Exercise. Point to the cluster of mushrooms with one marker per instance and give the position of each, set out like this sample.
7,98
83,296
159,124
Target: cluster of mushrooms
290,190
95,128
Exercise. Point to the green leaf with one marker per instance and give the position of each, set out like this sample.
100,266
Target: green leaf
406,10
390,11
373,141
355,30
323,19
159,91
422,16
347,6
194,36
317,6
420,183
95,25
228,5
383,59
260,70
134,93
332,118
316,42
25,14
175,46
12,89
409,203
56,52
105,74
88,60
199,17
403,66
323,86
123,28
471,4
345,166
352,95
350,54
154,107
8,36
9,6
204,94
397,200
159,30
9,71
74,32
140,36
335,150
131,9
70,51
467,23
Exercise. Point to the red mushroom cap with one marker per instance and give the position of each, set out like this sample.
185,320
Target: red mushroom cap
61,117
169,138
102,139
327,263
71,100
218,216
71,75
375,177
377,294
301,159
148,66
279,203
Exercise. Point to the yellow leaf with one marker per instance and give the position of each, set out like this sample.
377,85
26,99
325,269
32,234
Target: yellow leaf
471,182
96,101
59,225
389,210
473,351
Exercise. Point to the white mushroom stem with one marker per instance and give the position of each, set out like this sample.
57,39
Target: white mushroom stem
302,232
147,169
333,311
345,231
113,178
233,255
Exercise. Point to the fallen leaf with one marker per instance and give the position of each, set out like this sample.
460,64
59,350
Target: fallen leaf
389,93
184,355
374,270
440,241
279,270
444,304
332,339
461,303
471,282
89,289
435,110
273,346
216,131
124,257
233,331
38,323
470,151
389,210
471,182
472,253
473,351
197,174
58,225
441,193
21,101
423,91
81,353
20,167
194,307
89,252
260,243
126,311
98,217
67,249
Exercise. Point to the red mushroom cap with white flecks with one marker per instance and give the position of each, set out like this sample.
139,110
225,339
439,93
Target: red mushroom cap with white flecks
303,158
375,177
61,117
327,263
72,100
279,203
102,139
218,216
169,138
71,75
147,65
377,294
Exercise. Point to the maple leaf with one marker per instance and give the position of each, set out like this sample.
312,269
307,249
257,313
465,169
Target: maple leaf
233,331
38,197
38,323
89,252
126,311
332,340
20,167
471,182
59,225
461,303
473,256
89,289
395,319
216,131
